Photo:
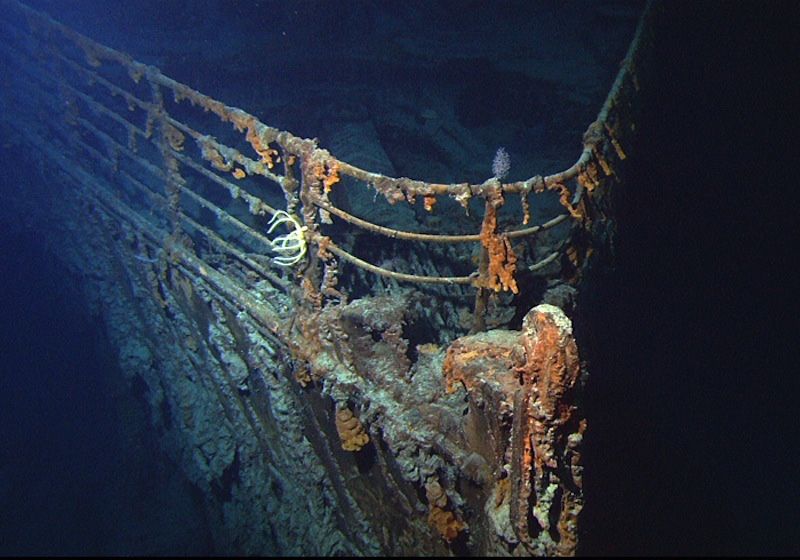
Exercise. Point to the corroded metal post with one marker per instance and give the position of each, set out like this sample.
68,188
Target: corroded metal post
523,392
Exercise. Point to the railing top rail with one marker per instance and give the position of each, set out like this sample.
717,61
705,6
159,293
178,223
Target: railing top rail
394,188
320,170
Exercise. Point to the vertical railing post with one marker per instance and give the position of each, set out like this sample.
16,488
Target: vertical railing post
169,139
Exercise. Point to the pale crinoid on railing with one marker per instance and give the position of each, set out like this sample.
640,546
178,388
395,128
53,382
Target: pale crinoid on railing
291,248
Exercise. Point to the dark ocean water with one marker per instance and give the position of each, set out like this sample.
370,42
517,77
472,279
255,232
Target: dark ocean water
79,472
692,447
693,393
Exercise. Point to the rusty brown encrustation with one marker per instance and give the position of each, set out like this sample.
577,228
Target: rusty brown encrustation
525,387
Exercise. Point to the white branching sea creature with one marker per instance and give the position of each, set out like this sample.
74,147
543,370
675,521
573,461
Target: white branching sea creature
291,248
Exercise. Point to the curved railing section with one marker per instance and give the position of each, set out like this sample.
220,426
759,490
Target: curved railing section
214,191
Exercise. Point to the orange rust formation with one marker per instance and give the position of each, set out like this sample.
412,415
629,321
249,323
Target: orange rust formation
440,516
327,173
446,523
351,431
552,428
502,260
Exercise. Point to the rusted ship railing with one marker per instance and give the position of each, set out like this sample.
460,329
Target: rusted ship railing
82,69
